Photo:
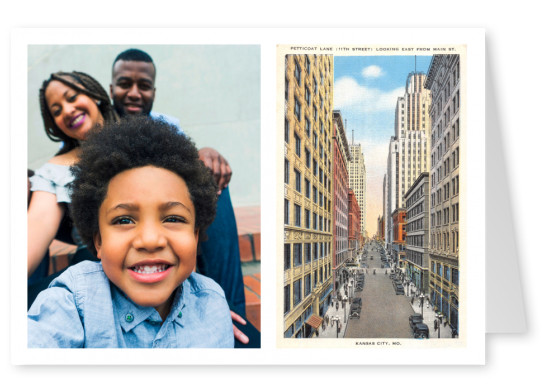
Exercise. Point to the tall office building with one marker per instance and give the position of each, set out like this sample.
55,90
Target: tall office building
341,157
443,80
308,196
409,149
357,175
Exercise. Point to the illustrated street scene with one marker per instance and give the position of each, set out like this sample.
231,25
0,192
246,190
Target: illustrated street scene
371,192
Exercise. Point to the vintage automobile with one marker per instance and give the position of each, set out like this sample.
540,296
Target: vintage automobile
420,330
399,289
354,314
414,319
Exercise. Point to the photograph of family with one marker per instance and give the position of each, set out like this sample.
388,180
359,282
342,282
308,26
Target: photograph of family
143,196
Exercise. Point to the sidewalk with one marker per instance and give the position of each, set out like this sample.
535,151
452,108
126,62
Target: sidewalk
330,330
429,316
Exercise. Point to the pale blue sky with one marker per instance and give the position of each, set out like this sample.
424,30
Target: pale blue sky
366,89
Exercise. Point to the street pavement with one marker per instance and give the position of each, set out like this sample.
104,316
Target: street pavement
384,314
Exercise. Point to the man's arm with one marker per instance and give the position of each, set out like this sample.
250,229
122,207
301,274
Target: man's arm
215,162
218,165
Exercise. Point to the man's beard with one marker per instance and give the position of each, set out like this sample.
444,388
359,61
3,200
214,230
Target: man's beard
119,108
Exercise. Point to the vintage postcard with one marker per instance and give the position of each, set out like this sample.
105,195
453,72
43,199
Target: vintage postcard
373,210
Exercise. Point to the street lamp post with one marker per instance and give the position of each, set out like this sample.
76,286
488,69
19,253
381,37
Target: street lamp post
335,320
421,301
439,317
344,309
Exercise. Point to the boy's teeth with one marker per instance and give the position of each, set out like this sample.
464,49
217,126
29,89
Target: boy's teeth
150,269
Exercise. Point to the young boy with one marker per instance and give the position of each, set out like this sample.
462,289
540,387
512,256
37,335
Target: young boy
141,200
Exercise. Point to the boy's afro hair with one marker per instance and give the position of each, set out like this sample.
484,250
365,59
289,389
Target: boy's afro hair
133,142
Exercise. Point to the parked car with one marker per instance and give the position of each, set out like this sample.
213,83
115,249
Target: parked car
356,308
420,330
357,300
399,289
354,314
414,319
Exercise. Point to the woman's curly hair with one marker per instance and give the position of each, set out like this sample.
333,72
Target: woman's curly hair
133,142
80,82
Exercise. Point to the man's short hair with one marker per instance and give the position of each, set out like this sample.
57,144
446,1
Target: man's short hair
134,55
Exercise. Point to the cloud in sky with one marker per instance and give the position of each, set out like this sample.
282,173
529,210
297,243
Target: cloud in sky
349,93
372,71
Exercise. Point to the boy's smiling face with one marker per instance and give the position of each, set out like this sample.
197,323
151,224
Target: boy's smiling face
147,240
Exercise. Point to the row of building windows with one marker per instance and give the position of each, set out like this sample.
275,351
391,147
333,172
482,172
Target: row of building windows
319,276
307,154
415,240
299,113
445,169
415,225
415,196
416,210
415,257
445,145
304,253
445,241
311,220
450,274
443,216
443,193
310,191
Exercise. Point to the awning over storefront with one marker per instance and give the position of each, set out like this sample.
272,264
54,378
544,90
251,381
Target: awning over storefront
314,321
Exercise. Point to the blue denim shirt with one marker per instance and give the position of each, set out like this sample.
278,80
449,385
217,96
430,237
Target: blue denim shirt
82,309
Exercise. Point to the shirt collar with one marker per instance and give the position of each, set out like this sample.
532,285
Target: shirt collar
180,298
129,314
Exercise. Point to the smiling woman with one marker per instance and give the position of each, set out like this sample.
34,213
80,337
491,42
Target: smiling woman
72,104
74,113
